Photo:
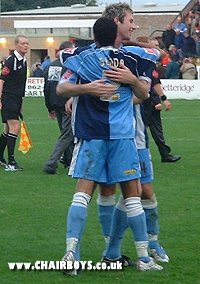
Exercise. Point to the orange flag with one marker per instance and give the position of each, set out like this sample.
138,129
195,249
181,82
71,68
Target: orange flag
25,142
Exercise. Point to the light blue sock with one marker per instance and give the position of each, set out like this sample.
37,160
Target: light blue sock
138,226
152,227
76,220
106,205
118,227
152,221
77,251
105,218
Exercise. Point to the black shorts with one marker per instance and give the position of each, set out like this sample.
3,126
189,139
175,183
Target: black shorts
11,107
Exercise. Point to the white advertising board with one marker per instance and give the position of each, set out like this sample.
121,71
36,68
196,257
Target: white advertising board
181,89
173,89
34,87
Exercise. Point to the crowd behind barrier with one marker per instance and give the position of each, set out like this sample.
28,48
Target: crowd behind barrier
173,89
188,29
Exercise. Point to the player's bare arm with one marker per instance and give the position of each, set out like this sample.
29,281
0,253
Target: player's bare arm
96,88
159,90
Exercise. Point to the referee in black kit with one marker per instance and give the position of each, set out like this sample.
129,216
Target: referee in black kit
12,90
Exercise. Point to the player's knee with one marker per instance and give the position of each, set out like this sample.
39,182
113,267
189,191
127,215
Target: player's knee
106,200
14,126
150,203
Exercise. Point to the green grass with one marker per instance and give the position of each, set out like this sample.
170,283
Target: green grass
33,207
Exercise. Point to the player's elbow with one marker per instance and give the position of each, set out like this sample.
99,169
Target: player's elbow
62,90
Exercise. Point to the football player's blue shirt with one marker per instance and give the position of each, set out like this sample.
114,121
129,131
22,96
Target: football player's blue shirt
145,57
111,119
71,51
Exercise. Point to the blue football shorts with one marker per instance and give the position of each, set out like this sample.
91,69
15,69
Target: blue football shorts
105,161
145,165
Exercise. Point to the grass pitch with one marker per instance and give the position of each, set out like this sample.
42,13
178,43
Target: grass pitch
33,207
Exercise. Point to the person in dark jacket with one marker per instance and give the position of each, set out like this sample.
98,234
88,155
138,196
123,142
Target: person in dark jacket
56,108
152,108
12,90
168,36
178,40
189,45
38,71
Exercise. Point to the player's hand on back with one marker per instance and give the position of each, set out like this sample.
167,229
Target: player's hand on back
101,88
120,74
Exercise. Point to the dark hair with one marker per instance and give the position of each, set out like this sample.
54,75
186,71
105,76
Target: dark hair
65,44
105,31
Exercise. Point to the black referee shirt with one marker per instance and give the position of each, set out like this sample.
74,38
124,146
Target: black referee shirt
14,75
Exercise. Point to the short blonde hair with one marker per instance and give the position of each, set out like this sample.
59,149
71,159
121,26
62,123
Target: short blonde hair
117,10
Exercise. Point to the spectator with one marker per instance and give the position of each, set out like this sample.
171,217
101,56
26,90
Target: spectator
197,43
195,24
189,45
198,7
174,52
33,67
165,60
168,36
178,42
38,71
178,39
179,25
172,70
189,21
197,28
188,69
46,62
